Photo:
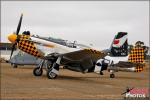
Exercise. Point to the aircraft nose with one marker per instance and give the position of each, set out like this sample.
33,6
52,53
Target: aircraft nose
12,38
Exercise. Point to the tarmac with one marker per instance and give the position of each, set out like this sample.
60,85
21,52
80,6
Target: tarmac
20,84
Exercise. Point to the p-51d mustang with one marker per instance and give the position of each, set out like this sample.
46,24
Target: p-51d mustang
81,58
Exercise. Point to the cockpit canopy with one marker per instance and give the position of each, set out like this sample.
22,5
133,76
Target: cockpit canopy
67,43
26,33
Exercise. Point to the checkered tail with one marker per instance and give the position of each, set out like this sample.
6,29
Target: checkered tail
137,56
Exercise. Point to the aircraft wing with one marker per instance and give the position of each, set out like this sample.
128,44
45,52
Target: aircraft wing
85,53
80,55
81,60
86,57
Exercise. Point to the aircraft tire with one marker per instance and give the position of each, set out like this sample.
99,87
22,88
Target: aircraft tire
112,75
37,72
14,66
101,73
50,74
48,65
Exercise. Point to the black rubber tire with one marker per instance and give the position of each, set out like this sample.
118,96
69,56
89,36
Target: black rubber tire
101,73
14,66
112,75
51,75
49,64
37,72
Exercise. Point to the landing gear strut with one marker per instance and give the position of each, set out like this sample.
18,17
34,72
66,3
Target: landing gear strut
14,66
52,73
38,71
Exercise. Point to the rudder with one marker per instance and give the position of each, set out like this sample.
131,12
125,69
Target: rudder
137,56
119,47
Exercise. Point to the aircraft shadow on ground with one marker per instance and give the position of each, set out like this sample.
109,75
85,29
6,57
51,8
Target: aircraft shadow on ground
93,79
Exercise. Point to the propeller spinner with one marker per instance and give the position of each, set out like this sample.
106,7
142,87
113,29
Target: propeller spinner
14,37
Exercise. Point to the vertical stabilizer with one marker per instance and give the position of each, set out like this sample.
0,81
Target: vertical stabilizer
119,46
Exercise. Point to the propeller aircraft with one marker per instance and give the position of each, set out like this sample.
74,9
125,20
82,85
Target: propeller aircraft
76,57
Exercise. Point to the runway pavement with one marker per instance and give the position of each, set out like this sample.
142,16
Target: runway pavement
20,84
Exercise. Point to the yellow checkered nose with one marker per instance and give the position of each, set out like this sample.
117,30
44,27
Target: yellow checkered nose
12,38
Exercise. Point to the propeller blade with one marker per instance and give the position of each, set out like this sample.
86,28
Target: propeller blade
13,48
19,25
17,32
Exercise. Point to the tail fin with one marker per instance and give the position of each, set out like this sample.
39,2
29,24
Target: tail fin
137,56
119,46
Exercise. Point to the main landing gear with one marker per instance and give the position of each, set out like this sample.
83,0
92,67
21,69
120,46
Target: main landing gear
52,73
112,75
14,65
38,71
51,68
101,73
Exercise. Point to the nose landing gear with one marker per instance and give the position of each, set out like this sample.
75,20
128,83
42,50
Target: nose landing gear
38,71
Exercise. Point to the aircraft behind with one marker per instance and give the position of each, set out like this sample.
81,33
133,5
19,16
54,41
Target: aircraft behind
118,58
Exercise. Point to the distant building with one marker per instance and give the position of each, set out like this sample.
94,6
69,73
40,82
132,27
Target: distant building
6,46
